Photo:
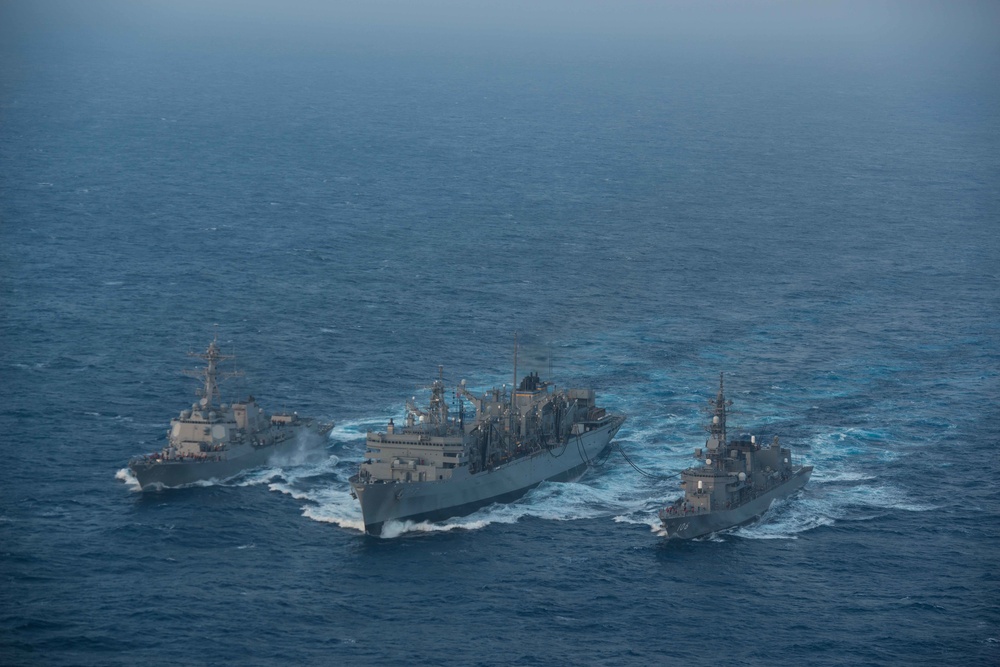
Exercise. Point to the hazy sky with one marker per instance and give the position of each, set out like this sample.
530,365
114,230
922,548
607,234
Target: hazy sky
955,24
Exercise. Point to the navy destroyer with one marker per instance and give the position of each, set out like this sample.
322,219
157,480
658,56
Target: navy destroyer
438,465
736,484
215,440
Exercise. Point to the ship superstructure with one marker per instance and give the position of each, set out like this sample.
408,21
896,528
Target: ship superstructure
737,482
441,463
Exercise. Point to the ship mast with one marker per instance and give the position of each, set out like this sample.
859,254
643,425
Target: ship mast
514,386
511,417
718,427
439,406
210,373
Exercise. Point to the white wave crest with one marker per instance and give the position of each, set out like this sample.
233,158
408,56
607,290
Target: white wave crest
885,497
393,529
296,494
325,504
203,483
125,475
647,519
343,514
254,477
785,520
824,476
356,429
309,449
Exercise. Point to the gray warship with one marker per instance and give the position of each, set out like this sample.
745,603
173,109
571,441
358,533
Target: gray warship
736,484
215,440
438,465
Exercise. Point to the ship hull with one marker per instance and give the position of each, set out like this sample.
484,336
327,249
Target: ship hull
693,525
465,493
158,474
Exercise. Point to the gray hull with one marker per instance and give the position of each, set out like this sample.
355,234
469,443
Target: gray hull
686,526
173,473
465,493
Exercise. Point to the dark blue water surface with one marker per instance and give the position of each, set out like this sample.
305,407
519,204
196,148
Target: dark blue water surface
818,219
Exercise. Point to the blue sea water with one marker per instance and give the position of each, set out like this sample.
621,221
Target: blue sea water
817,220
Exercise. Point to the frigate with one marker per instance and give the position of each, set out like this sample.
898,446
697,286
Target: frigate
216,440
735,485
438,464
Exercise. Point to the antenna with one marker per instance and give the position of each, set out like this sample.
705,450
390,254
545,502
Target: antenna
721,406
513,393
514,386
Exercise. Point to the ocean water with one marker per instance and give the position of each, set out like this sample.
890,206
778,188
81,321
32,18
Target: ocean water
818,220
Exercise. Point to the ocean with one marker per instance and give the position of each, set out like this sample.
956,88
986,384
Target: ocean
351,202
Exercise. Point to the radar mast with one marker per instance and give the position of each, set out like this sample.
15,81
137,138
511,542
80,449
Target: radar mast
210,373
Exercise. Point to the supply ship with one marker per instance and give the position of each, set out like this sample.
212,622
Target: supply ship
437,465
215,440
736,484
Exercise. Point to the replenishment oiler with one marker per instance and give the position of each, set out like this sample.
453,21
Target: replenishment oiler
215,440
437,465
736,484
